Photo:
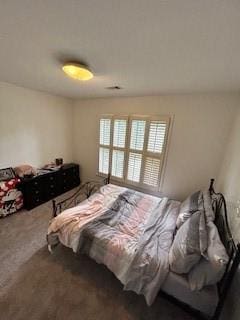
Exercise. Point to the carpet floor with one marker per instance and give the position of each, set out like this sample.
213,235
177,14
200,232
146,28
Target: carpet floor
37,285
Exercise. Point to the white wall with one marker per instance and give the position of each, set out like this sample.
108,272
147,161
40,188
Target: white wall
35,128
199,135
229,184
229,177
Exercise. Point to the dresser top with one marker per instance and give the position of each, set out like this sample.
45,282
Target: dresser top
44,172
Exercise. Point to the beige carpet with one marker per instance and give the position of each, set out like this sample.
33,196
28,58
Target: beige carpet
36,285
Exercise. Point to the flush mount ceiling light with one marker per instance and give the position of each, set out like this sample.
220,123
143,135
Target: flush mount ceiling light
77,71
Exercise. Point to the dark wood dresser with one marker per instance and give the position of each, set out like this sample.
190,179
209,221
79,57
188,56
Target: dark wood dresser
47,186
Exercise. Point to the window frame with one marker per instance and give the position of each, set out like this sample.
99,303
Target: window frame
127,150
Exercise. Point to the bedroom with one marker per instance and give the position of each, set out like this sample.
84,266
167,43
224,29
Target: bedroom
174,60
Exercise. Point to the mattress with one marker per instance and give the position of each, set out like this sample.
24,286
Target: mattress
204,300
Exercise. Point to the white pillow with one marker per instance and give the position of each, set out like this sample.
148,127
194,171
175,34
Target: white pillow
204,274
216,252
192,204
210,269
188,245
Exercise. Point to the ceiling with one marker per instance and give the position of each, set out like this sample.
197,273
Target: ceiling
148,47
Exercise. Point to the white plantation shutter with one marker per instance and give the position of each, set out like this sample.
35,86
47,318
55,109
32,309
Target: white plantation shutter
151,172
134,167
119,133
156,137
133,149
137,134
119,147
154,153
117,163
104,160
104,145
105,129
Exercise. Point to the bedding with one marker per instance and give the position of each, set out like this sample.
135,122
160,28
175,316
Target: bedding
189,244
216,252
133,234
198,201
213,264
197,249
188,207
128,231
205,274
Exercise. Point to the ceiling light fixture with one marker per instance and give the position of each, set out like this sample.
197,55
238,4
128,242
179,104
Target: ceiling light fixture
77,71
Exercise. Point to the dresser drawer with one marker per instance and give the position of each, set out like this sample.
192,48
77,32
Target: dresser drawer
52,190
51,178
50,185
35,185
36,200
33,200
34,189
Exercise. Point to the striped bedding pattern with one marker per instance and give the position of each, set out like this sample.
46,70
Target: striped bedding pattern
128,231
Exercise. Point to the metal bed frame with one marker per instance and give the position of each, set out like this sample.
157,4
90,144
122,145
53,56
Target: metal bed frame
85,190
221,221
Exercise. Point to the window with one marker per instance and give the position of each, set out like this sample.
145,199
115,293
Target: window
132,149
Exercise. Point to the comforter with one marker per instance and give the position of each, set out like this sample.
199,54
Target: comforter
128,231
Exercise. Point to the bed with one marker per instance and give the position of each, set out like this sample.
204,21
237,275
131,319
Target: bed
132,233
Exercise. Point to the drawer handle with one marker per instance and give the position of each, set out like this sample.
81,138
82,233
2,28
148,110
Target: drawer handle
35,182
51,186
51,178
36,191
